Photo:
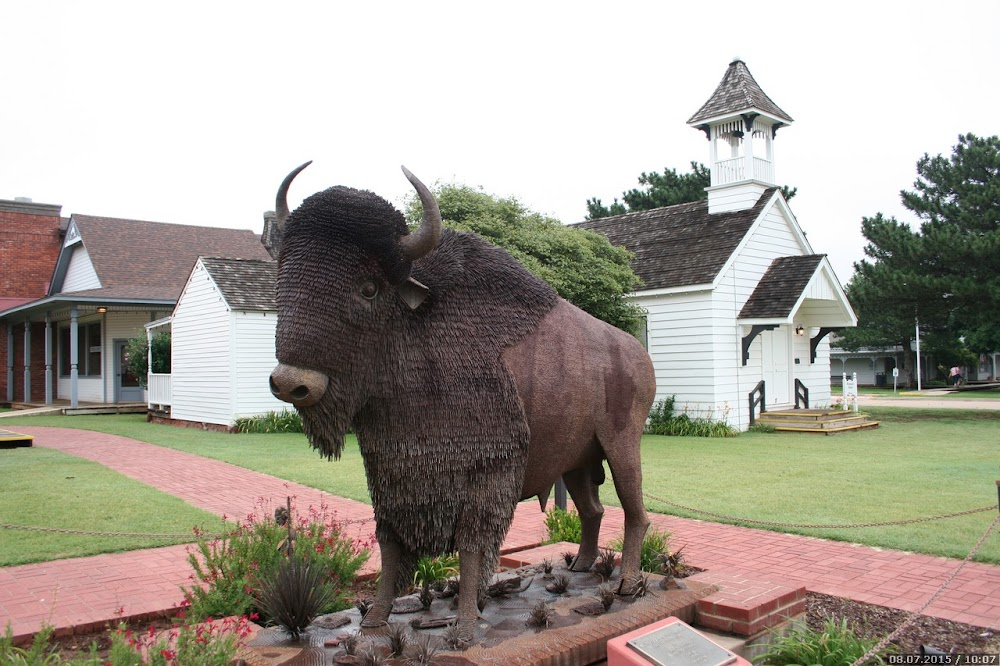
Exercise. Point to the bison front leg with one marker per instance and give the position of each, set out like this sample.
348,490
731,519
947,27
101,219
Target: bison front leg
392,555
470,564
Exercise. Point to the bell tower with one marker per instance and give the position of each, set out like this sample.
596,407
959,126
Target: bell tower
740,122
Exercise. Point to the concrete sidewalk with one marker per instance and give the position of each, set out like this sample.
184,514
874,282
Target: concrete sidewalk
90,591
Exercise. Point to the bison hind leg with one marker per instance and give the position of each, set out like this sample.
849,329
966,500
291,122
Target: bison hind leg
582,485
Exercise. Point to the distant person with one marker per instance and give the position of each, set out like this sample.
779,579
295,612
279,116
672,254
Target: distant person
955,374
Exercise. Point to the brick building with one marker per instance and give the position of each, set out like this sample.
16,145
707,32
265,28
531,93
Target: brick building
30,240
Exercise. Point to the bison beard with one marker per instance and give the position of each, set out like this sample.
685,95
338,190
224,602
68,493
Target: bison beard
439,422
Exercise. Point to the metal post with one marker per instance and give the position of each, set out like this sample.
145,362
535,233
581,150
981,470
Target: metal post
919,382
561,494
27,360
74,358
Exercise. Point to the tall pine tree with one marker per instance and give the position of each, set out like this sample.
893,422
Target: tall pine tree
662,189
945,273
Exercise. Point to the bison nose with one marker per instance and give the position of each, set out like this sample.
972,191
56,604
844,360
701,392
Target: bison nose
298,386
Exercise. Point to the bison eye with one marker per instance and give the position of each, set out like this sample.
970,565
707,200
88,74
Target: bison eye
369,290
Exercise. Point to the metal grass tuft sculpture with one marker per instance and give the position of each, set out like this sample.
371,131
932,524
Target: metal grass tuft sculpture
469,382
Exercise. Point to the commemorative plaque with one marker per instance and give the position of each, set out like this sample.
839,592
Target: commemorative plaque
678,644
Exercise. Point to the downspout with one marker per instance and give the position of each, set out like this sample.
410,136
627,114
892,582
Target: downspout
74,358
10,361
27,360
48,359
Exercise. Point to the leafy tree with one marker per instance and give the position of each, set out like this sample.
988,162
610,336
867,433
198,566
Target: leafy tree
138,355
659,190
582,266
945,273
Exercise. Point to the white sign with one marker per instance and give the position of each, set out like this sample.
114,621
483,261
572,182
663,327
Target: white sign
895,372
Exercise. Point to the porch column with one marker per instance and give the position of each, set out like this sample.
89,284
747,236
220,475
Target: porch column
74,357
48,359
10,361
149,354
27,360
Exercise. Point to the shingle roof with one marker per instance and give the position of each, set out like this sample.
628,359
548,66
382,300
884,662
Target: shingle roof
781,286
246,284
152,260
679,245
737,92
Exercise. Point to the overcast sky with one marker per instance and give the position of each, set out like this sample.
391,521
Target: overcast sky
193,112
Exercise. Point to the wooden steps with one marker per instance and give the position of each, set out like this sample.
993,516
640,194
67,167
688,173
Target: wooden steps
817,421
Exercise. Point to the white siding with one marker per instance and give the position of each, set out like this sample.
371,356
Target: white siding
736,196
254,361
88,389
201,344
80,273
680,346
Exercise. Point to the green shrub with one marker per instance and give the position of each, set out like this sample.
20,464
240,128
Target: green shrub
836,645
233,566
663,421
287,420
430,570
762,428
212,643
137,355
655,543
562,525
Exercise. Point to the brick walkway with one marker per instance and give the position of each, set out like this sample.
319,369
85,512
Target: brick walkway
89,591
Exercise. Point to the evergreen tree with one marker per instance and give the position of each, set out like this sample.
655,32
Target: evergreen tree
582,266
659,190
945,273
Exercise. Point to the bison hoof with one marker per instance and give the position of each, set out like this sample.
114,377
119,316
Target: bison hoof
376,617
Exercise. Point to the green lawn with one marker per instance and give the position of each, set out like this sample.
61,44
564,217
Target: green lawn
45,488
988,394
919,463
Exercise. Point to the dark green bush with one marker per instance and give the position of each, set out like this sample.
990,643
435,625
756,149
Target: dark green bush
287,420
663,421
562,525
293,594
836,645
655,543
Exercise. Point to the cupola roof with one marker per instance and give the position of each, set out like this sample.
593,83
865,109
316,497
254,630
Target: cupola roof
737,93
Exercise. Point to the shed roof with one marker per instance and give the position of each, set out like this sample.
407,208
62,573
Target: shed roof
680,245
736,93
246,284
151,260
781,286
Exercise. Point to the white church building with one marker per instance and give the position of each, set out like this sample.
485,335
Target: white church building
739,304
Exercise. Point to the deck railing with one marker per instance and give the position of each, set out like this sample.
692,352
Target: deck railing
160,390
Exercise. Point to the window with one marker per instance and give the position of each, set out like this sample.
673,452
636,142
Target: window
641,332
88,350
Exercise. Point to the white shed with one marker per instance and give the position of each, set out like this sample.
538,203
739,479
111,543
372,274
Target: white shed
222,342
737,301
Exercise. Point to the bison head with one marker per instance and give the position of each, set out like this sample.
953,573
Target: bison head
343,274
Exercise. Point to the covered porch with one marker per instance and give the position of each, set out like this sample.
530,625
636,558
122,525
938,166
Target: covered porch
74,350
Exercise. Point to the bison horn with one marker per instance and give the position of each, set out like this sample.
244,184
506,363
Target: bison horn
424,239
281,200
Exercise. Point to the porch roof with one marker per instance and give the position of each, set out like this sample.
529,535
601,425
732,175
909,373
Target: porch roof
791,281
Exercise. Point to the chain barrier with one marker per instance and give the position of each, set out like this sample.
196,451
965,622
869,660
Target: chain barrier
751,521
916,614
190,537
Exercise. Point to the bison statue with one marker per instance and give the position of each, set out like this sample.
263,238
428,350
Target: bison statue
469,383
